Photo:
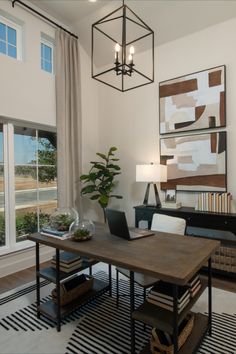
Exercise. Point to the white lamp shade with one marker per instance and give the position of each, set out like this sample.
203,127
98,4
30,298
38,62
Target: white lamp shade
151,173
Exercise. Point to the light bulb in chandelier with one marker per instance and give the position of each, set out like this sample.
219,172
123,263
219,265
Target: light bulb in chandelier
131,55
117,49
131,50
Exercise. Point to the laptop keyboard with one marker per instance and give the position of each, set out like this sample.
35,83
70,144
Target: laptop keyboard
134,234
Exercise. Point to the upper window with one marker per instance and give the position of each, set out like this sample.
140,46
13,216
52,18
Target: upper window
10,34
46,56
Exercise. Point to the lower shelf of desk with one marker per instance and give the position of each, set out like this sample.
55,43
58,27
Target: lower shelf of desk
49,308
194,340
156,316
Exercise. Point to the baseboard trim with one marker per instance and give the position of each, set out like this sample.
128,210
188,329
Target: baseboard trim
12,263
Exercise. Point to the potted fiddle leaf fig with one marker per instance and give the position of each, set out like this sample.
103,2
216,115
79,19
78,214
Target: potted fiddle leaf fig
100,180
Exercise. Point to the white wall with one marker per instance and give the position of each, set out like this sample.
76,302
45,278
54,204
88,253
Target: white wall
27,92
130,120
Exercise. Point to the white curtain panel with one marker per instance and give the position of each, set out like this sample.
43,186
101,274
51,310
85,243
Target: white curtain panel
68,112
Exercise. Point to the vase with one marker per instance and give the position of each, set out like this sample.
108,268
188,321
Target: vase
63,218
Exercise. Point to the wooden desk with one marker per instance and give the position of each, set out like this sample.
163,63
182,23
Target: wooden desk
168,257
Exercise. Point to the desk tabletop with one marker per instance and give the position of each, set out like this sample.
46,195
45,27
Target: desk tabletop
169,257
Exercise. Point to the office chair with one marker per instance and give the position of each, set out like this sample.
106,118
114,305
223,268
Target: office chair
161,223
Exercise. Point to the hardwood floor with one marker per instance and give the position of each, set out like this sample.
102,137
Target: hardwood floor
224,283
18,279
25,276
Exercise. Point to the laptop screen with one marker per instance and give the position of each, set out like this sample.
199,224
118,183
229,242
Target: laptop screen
117,223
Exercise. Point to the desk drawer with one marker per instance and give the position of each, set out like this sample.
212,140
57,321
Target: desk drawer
219,222
144,214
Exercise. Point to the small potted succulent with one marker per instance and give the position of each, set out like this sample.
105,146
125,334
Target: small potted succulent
62,222
62,219
82,231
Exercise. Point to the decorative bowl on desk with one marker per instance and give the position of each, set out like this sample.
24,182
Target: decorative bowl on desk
82,231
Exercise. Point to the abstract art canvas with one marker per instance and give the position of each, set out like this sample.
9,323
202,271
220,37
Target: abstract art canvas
193,102
195,162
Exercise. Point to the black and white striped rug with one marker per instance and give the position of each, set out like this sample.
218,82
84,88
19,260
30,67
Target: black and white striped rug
97,328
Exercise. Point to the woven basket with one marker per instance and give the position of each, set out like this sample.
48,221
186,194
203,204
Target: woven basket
158,348
225,259
67,296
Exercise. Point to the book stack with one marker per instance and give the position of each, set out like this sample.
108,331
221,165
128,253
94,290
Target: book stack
162,295
216,202
61,235
171,205
68,262
194,285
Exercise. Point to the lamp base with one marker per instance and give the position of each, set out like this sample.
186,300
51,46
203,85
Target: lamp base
145,201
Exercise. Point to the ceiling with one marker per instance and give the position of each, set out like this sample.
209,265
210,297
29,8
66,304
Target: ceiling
170,19
69,11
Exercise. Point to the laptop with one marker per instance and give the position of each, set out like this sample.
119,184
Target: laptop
118,226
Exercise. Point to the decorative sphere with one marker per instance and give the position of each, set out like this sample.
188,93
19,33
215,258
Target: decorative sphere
83,229
63,218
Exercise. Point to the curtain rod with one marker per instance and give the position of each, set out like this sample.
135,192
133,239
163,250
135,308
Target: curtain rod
43,16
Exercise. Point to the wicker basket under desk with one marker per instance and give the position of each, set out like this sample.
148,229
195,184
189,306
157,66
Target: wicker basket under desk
158,348
225,259
68,296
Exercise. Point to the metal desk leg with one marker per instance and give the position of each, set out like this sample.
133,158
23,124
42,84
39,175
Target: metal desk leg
175,318
110,279
132,307
144,298
210,296
117,288
37,279
58,290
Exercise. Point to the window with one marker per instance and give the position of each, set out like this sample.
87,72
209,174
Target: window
31,193
46,56
2,197
10,35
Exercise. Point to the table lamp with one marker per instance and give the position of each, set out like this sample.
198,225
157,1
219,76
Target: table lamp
151,174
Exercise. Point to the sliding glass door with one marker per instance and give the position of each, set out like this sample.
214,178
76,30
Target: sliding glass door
31,189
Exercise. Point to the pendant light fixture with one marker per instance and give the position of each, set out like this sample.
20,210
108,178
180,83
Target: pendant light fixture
122,50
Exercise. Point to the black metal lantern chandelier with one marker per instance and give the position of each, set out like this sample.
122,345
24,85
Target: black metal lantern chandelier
122,50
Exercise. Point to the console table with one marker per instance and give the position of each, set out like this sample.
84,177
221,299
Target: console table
218,226
147,256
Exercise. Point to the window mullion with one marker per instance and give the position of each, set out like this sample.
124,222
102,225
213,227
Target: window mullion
11,187
37,174
6,184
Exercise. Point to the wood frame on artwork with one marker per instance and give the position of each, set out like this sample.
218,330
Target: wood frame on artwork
193,102
195,163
